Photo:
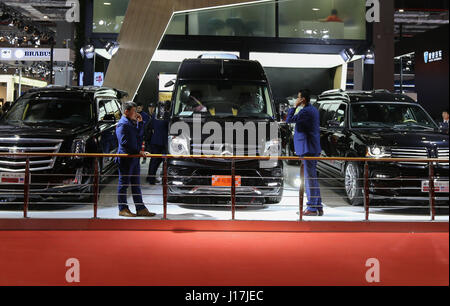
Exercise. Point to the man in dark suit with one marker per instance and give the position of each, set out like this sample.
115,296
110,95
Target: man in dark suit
159,128
445,121
307,144
130,133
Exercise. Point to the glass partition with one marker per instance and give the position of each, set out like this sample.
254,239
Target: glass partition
322,19
109,15
177,25
244,20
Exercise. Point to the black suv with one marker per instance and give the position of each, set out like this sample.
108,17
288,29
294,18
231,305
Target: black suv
58,120
380,124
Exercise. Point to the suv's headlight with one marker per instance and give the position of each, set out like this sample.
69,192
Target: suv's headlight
78,147
178,145
378,152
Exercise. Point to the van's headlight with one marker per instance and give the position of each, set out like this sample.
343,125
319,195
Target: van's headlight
178,145
378,152
272,148
78,147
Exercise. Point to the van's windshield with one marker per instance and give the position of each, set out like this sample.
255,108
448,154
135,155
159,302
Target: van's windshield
223,99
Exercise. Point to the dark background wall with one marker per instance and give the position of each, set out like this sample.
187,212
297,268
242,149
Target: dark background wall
285,82
432,78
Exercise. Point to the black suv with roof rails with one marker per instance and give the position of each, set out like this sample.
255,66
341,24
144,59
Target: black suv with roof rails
58,120
380,124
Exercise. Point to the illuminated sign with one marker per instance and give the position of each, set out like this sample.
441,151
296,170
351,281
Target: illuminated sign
430,57
33,54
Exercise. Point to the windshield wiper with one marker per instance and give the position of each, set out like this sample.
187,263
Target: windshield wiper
400,126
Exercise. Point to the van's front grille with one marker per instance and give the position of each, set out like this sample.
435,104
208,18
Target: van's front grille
28,145
443,153
419,153
226,150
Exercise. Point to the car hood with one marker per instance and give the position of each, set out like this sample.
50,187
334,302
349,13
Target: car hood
40,132
404,138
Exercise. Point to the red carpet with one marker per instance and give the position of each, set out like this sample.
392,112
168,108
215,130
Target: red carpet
222,258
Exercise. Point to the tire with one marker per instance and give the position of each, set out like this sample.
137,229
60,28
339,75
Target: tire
90,180
273,200
291,153
174,199
353,184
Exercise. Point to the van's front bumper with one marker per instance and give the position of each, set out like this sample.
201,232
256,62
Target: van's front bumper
193,180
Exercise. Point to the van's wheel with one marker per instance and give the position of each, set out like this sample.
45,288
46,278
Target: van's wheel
353,184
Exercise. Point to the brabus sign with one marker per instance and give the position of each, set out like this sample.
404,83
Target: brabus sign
33,54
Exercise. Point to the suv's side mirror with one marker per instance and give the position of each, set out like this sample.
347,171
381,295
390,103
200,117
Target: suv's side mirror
108,119
333,124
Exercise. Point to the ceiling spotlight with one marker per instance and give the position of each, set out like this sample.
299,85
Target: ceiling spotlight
347,54
88,51
112,48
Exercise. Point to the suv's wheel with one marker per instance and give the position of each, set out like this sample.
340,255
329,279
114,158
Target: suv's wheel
88,178
291,154
353,184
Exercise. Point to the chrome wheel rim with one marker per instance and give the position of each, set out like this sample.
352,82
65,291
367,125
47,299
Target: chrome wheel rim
351,185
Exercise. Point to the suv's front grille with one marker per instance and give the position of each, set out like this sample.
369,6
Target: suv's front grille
28,145
443,153
420,153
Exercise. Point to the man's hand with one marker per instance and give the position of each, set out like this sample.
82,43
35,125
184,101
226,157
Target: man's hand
298,102
138,118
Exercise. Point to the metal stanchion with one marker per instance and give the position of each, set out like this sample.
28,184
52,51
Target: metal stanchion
96,187
26,191
431,191
165,189
302,188
233,189
366,190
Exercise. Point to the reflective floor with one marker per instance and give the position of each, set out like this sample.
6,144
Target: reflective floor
332,190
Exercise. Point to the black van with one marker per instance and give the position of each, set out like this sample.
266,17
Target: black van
380,124
223,107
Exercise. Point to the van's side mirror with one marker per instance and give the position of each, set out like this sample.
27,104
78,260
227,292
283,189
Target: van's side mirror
170,83
283,110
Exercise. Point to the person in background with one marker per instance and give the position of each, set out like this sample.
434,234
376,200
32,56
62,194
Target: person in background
145,119
159,128
307,144
130,133
445,121
148,131
333,17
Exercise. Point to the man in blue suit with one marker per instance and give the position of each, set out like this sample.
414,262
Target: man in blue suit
130,133
307,144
